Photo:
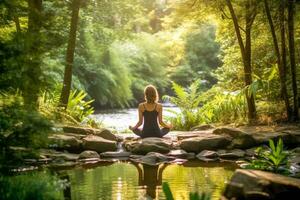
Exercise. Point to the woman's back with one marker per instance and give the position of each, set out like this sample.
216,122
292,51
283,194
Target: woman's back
151,127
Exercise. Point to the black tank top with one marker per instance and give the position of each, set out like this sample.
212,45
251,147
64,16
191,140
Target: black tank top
151,128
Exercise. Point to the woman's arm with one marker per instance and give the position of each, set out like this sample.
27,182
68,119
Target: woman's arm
140,122
161,122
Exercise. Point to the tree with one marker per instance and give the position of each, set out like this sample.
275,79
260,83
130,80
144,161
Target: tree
292,55
70,54
245,48
281,70
283,47
33,46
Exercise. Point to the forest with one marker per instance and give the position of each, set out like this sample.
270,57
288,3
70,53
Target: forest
222,62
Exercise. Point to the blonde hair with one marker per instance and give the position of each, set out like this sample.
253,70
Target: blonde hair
151,94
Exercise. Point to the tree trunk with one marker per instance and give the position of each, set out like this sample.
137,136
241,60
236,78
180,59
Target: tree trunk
246,55
64,98
33,43
283,51
17,23
283,88
292,56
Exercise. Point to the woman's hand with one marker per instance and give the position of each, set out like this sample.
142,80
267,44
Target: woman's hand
170,126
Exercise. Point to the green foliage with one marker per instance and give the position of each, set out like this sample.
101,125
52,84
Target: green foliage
77,111
224,107
20,126
188,101
33,186
273,158
77,107
193,195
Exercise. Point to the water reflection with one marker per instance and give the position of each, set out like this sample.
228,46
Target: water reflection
137,181
150,177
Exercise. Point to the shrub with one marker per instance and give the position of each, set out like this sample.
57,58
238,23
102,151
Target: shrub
188,101
34,186
271,158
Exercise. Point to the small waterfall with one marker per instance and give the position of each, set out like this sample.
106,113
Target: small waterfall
120,147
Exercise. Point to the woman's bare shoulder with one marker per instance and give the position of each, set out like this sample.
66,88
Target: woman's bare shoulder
141,105
159,105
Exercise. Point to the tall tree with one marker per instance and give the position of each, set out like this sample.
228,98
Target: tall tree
283,47
65,93
282,76
33,47
291,38
245,48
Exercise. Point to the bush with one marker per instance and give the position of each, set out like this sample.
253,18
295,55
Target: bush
77,111
35,186
271,158
188,101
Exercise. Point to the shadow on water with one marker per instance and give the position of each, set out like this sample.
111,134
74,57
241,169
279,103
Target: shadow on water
126,180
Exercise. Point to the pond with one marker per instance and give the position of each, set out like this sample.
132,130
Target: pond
124,180
120,119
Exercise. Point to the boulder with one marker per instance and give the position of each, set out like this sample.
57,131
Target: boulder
50,153
153,159
254,184
147,145
88,154
66,142
205,142
207,155
240,139
115,154
202,127
104,133
98,144
179,153
231,154
192,134
264,137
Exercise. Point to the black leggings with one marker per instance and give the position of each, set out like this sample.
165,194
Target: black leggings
139,132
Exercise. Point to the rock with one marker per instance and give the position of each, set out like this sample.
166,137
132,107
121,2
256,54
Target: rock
254,184
207,156
115,154
240,139
147,145
250,152
50,153
202,127
59,141
98,144
205,142
179,153
231,154
104,133
88,154
264,137
192,134
153,159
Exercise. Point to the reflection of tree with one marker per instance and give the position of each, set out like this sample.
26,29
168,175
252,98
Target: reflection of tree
150,176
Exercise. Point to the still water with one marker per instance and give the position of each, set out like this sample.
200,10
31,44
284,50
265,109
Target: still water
124,180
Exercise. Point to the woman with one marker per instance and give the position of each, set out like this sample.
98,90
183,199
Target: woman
150,112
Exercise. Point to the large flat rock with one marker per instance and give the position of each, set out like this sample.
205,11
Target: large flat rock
255,184
64,142
190,134
104,133
146,145
98,144
205,142
240,139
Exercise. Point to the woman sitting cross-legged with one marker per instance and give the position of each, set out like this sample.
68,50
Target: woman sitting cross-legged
150,112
